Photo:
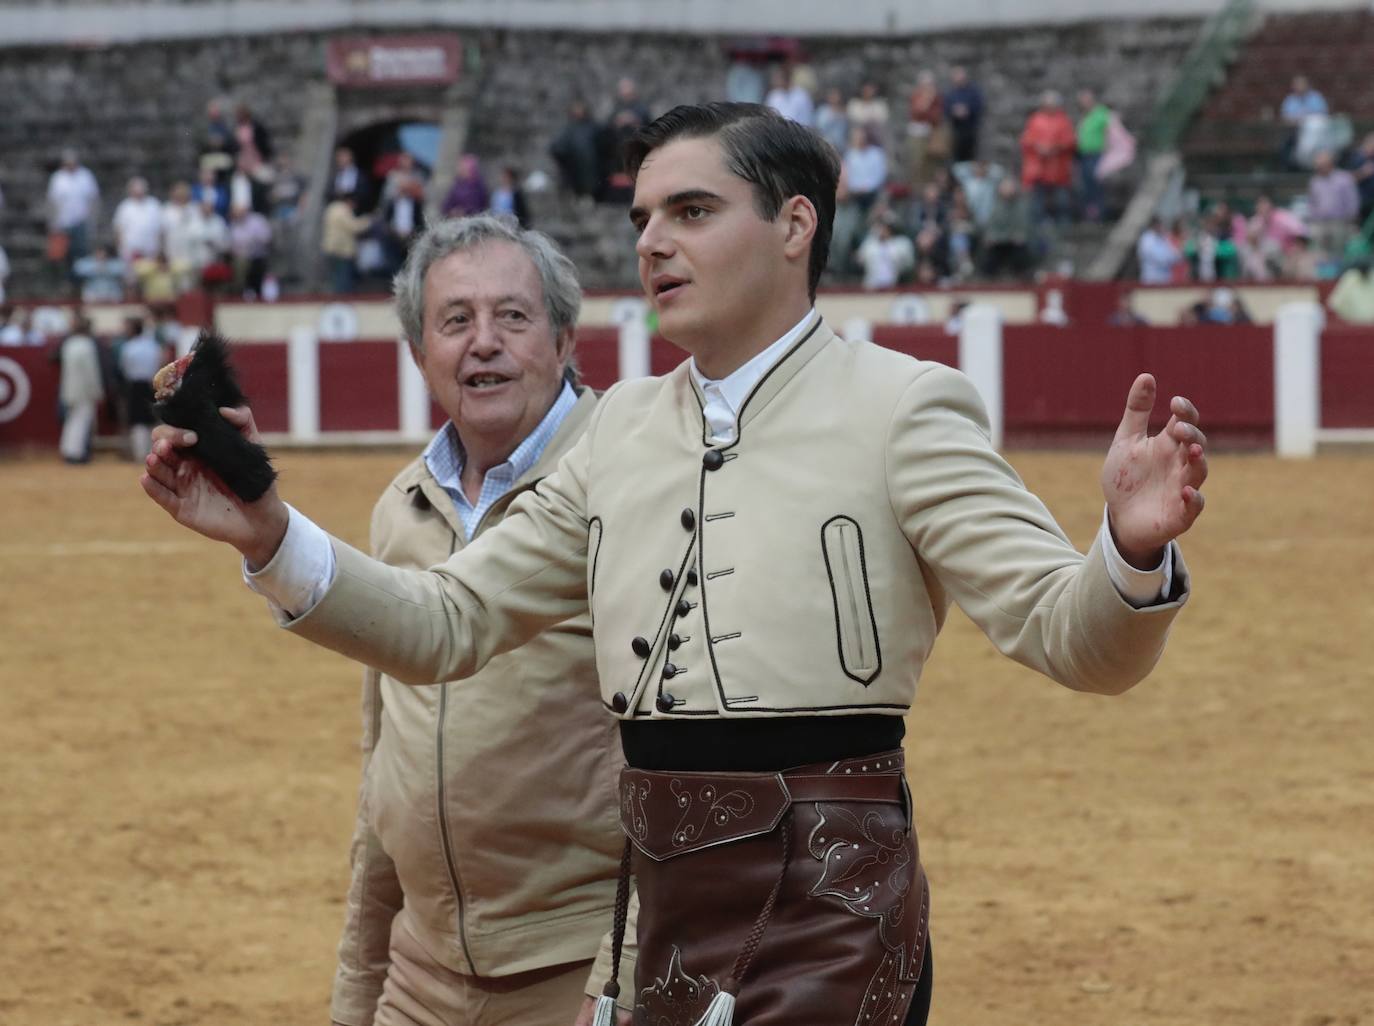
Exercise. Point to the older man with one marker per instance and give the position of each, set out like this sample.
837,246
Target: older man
486,848
768,540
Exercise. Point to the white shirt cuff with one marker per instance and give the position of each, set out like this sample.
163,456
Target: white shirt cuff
1140,588
299,573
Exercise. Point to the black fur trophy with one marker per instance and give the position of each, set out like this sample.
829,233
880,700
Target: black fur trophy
189,394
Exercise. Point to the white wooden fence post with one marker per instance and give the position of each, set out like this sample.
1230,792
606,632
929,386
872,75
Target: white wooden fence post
1297,379
303,385
980,357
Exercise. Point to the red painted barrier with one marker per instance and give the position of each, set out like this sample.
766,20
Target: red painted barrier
1060,382
262,373
925,342
358,386
598,356
28,397
663,355
1347,378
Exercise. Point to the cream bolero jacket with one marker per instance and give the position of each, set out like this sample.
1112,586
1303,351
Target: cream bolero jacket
804,569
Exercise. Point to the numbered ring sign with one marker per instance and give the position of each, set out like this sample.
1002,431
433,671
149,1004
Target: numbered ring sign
338,323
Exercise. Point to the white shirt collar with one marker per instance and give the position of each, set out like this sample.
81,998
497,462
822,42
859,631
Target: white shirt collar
726,395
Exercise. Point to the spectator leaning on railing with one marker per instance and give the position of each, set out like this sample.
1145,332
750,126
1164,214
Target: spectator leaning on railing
964,112
138,224
1360,163
1047,148
73,198
1352,299
1157,255
1333,204
1092,143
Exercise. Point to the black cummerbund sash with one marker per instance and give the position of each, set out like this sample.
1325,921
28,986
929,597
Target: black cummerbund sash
756,744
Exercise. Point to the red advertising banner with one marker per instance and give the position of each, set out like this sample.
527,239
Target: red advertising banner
373,61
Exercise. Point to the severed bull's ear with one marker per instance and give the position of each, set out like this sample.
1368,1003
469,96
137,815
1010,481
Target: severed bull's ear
191,400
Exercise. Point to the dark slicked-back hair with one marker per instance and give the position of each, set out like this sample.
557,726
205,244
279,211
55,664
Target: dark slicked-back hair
778,157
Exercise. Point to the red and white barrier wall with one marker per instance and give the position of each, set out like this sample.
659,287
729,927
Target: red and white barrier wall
1290,385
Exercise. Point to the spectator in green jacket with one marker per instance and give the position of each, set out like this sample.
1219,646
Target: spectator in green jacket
1092,141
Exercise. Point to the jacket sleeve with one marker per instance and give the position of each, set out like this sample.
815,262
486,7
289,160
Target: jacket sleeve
374,895
999,554
629,953
424,626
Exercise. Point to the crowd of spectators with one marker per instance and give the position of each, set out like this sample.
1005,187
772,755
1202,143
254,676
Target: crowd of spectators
917,203
217,228
1317,235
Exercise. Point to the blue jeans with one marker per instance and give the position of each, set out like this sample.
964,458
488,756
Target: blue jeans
1091,198
343,275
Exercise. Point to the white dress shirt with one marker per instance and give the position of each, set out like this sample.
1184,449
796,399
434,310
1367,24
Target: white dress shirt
303,568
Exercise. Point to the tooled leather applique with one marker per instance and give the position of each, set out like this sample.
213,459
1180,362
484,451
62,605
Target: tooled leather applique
677,999
697,810
866,864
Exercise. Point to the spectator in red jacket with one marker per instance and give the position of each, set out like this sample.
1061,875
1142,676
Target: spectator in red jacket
1047,151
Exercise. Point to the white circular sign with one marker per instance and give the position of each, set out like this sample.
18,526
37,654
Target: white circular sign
51,320
338,323
909,309
628,311
14,390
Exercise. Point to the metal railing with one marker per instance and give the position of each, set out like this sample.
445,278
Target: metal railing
1202,68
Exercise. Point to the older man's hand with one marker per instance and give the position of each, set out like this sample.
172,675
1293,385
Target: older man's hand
1153,484
195,498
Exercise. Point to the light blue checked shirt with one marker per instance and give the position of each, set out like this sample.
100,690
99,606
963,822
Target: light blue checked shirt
445,459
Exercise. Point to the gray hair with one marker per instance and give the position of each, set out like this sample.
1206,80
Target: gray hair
557,274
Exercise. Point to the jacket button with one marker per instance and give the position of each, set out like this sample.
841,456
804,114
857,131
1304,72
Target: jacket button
673,642
665,702
620,703
692,576
712,459
640,646
683,607
689,519
669,671
665,580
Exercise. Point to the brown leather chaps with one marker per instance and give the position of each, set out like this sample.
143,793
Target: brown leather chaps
799,892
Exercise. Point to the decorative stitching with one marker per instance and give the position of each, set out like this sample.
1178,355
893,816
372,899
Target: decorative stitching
896,707
591,583
835,603
739,420
677,999
641,681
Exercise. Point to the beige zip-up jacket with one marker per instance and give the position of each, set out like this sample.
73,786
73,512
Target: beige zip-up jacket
804,569
495,825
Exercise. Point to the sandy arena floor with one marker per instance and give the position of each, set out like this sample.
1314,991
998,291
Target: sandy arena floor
179,776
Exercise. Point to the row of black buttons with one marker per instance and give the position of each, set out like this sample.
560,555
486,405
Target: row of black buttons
665,701
712,460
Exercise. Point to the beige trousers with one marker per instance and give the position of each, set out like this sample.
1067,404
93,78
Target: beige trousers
421,992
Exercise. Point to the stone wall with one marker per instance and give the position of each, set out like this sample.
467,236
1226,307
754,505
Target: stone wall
59,21
138,109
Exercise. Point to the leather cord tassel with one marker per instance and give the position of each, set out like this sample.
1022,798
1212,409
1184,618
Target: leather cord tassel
605,1011
720,1012
605,1004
